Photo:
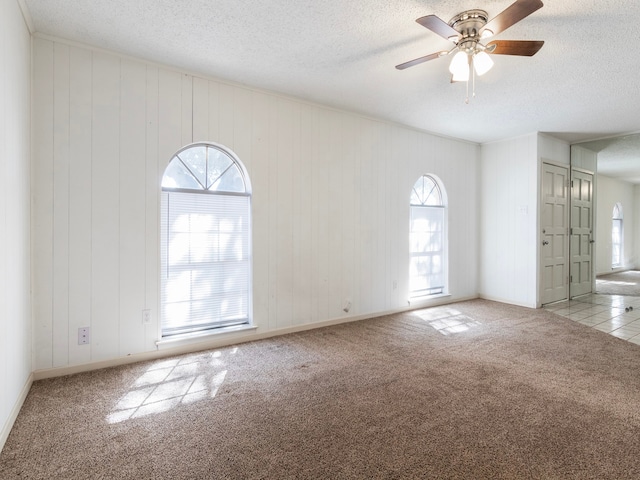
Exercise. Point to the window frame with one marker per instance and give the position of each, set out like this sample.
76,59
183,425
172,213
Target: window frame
437,205
219,325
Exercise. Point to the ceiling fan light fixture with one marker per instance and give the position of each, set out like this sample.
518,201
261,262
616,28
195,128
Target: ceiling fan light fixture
482,62
459,67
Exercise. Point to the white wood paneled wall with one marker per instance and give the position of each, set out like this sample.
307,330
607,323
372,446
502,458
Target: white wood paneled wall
15,206
330,199
509,189
583,158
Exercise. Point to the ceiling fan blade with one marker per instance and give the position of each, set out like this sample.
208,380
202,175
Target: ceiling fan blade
439,26
525,48
420,60
510,16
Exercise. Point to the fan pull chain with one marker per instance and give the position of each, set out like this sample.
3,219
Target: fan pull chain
474,87
473,70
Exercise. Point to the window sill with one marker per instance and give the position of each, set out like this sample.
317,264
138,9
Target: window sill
184,339
425,298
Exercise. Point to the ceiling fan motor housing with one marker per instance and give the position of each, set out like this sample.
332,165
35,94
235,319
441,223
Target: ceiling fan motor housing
469,24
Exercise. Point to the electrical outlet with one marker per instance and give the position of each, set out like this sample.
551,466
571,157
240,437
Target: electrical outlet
146,317
84,336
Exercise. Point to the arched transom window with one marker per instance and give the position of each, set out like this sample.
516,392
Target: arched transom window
205,241
427,270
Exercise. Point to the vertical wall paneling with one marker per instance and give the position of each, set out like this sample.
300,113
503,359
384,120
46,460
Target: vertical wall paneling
365,247
298,252
320,209
333,164
200,110
303,216
42,185
271,234
170,134
132,169
553,149
583,158
105,207
384,282
153,179
214,111
187,109
242,134
16,347
373,199
259,174
359,127
80,188
287,143
6,340
61,116
170,107
396,213
345,176
330,193
509,191
226,111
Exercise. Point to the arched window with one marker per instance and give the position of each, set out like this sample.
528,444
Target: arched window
616,236
205,241
427,237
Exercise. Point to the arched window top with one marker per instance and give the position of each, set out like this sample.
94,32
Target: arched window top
205,167
426,192
617,211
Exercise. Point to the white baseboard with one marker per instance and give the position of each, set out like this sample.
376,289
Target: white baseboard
508,302
232,338
8,425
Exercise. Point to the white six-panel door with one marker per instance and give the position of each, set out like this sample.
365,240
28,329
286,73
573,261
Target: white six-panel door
555,233
581,279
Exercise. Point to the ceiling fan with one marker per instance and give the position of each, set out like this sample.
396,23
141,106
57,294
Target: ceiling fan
468,29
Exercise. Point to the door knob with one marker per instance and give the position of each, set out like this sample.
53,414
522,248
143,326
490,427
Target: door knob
544,242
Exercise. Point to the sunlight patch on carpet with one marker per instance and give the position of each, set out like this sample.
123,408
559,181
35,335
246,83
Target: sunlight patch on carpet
168,384
446,320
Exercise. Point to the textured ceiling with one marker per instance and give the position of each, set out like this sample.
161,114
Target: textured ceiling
618,157
583,84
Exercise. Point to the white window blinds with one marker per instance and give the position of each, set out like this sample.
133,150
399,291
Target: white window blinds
426,247
205,261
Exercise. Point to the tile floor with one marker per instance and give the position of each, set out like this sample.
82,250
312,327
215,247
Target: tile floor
617,315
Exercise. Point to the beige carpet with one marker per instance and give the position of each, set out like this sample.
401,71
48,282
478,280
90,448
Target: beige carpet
623,283
476,390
